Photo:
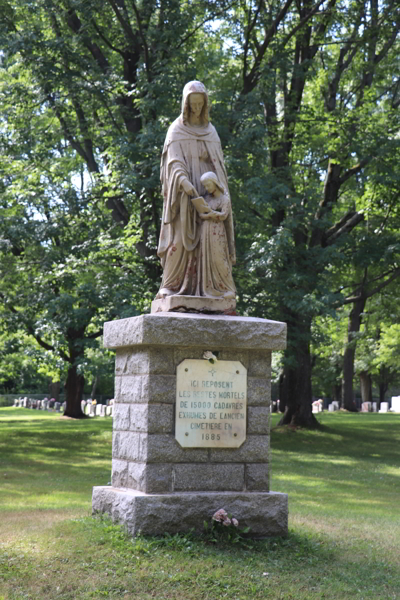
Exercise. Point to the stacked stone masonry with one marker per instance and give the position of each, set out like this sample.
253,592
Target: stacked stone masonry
146,456
157,485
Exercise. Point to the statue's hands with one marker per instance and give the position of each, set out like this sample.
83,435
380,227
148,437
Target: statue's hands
213,215
189,188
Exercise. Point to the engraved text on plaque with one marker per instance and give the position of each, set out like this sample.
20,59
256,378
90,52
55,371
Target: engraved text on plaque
211,402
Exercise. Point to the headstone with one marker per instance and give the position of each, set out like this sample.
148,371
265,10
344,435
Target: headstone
318,406
100,412
57,406
336,404
108,411
366,407
395,404
64,406
92,410
45,404
331,407
83,404
375,407
160,482
384,407
87,408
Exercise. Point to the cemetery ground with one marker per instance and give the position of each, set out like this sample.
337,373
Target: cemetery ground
344,519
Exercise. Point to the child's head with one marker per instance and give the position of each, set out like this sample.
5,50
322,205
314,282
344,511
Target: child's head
210,181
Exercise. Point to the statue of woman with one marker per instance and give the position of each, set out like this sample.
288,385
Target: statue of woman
192,147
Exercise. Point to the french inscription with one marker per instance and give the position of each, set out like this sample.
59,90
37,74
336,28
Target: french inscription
211,403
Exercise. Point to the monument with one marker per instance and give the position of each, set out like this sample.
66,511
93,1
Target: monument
192,379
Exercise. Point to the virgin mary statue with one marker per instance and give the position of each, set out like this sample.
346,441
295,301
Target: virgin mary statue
191,149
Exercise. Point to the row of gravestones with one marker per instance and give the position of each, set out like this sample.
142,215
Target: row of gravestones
88,408
373,406
365,407
97,410
39,404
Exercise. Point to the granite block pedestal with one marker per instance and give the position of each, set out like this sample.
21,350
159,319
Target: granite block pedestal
159,486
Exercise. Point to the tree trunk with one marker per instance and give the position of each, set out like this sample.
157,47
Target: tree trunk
296,389
73,392
337,393
54,390
282,393
94,386
366,386
383,388
348,359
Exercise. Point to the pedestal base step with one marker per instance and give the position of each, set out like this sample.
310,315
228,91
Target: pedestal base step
266,513
194,304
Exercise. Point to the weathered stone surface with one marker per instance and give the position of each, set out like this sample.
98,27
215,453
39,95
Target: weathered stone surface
215,477
164,448
152,479
145,388
258,391
183,329
122,417
160,418
128,445
194,303
232,354
257,477
180,354
119,477
142,361
258,419
259,364
265,513
254,449
153,448
145,418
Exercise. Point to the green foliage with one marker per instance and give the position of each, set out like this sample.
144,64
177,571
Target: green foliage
305,101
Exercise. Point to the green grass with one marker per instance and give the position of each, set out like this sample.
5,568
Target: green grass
344,501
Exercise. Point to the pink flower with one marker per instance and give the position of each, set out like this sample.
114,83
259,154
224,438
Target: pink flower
235,522
226,522
220,515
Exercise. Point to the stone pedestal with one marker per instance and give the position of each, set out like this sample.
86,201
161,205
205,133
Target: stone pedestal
194,304
158,486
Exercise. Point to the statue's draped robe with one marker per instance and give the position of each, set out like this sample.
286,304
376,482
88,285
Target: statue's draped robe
214,266
188,153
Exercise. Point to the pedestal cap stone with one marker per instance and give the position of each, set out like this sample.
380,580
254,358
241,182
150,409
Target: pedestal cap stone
183,329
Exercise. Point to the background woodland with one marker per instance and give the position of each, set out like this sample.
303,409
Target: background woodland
305,97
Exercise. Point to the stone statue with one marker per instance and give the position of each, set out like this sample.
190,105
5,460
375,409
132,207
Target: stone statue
197,207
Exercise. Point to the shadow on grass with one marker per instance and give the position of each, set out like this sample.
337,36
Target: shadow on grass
44,457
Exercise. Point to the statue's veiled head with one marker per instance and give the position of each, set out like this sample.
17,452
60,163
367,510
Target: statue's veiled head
196,88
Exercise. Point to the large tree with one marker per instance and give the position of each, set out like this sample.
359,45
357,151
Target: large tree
324,73
304,100
83,90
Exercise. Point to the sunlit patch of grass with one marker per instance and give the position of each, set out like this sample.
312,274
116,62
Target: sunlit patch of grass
343,485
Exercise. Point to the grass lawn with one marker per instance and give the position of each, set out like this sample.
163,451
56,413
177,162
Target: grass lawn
344,501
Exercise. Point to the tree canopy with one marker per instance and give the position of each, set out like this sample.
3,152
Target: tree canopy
305,97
